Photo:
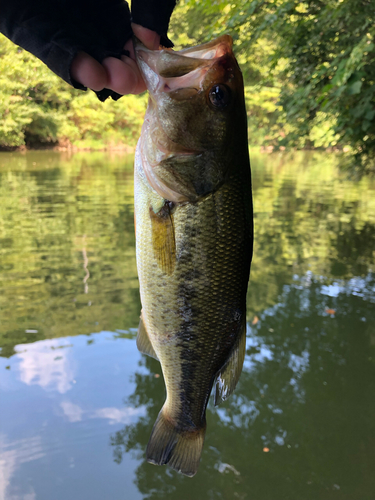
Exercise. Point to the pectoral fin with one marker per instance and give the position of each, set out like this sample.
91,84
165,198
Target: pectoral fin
163,239
228,376
143,341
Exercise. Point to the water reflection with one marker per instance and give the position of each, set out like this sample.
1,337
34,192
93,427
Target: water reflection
307,217
67,247
47,366
77,407
14,454
305,395
56,417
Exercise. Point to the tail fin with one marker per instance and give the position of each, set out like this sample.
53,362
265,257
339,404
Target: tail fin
180,450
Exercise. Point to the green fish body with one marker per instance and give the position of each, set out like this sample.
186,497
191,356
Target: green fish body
194,235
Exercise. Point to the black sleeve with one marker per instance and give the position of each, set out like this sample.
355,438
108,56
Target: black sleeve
55,30
154,15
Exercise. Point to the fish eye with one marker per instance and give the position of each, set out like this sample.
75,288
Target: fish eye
219,96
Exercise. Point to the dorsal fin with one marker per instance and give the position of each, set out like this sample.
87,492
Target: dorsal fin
229,374
163,238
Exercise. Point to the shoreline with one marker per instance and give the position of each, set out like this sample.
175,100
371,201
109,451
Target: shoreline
67,148
126,149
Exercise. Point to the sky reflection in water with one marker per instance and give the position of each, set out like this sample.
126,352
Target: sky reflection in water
77,409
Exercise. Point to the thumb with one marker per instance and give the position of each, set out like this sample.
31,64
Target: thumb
148,37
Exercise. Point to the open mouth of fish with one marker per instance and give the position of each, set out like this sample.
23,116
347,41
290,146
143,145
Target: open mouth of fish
169,71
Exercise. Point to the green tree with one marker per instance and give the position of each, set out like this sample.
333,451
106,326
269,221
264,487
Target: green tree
39,108
330,72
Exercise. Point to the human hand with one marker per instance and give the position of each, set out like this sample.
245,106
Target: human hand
120,75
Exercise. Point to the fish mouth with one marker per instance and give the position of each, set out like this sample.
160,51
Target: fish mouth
169,71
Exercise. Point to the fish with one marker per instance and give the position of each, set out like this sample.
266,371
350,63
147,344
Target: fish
194,237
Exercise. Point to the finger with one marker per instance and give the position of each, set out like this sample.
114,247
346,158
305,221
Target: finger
141,86
89,72
148,37
123,75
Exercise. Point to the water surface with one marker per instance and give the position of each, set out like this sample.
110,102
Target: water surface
78,401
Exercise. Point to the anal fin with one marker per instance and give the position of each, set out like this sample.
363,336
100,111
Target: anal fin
143,341
227,378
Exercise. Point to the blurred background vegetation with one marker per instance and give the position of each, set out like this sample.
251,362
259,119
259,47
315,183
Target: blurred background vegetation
309,70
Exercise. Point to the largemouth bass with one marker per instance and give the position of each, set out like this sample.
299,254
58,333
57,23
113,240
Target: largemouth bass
194,236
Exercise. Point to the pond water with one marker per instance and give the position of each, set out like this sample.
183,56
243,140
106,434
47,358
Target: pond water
78,401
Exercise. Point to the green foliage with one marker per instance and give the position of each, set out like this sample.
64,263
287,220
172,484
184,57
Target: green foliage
330,71
37,108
